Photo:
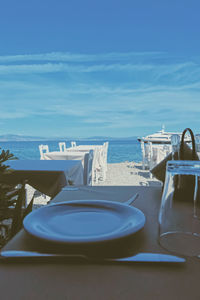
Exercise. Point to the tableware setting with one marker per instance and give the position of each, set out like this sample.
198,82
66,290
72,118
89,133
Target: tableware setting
84,221
87,231
19,255
81,229
101,228
84,188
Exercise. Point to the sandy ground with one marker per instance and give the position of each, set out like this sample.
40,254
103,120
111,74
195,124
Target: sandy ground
128,173
125,173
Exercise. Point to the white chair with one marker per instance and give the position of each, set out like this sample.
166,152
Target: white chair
167,149
92,167
97,167
146,154
104,165
62,146
152,157
157,154
197,144
73,144
175,143
43,149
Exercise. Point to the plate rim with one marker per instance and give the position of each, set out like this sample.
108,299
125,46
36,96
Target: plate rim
116,236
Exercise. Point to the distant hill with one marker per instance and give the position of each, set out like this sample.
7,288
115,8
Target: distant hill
14,137
106,138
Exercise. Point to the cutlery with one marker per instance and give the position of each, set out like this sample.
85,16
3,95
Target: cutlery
128,202
140,257
132,199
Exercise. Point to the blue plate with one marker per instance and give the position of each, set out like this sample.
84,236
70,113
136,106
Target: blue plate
84,221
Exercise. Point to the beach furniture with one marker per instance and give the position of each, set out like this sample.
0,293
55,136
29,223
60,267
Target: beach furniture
100,159
146,155
81,152
62,146
152,154
64,155
73,144
104,154
69,155
197,144
46,176
86,157
92,167
43,149
175,142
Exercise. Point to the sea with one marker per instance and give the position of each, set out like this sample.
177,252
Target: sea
118,150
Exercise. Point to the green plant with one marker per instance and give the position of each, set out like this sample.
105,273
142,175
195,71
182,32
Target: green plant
12,199
6,197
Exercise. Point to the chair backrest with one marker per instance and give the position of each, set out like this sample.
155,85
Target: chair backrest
175,143
90,167
146,154
43,149
104,154
106,147
143,155
73,144
62,146
197,142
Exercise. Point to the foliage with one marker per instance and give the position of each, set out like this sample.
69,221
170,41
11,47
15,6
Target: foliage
6,191
12,200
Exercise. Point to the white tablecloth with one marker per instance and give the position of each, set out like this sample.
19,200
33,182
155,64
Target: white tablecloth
47,176
84,148
66,155
70,155
100,161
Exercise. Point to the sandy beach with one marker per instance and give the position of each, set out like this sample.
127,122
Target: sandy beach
125,173
128,173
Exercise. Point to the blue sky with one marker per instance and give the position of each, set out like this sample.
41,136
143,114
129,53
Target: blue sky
99,68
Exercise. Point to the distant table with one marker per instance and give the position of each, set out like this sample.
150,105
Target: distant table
70,155
89,281
100,162
83,148
66,155
47,176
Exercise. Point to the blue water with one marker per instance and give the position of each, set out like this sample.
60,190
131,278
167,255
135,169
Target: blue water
118,150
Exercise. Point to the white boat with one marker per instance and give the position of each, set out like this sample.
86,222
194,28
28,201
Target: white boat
155,147
161,137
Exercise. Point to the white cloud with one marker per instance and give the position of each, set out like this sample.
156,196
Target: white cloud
61,67
71,57
107,95
156,71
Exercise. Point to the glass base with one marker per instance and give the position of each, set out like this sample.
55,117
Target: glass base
183,243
